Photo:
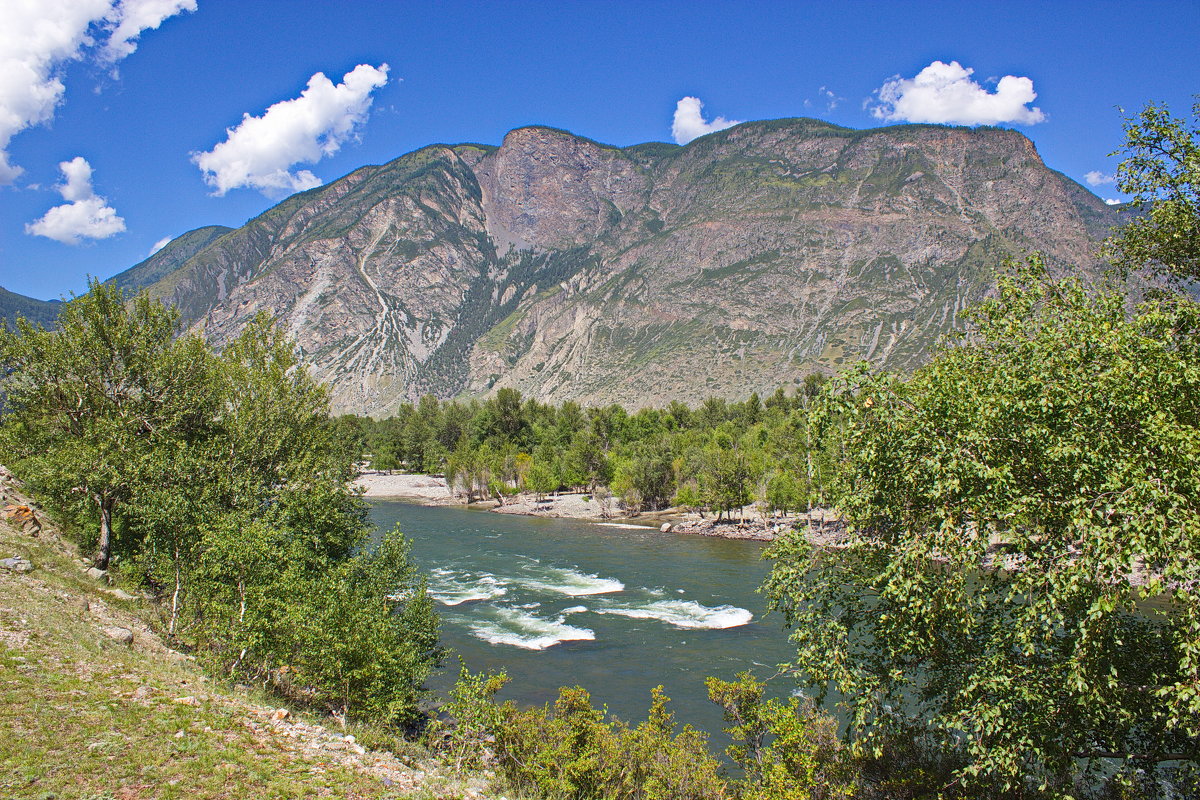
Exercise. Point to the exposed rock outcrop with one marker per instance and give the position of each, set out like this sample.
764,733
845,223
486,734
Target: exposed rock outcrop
574,270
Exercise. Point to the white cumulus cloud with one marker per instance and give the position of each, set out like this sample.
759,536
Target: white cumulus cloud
85,215
38,37
689,122
260,152
1108,201
130,17
946,93
159,245
1097,178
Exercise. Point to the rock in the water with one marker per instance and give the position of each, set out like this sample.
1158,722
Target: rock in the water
16,564
97,574
120,635
665,527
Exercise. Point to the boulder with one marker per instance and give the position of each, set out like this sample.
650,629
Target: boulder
97,574
121,594
16,564
665,527
120,635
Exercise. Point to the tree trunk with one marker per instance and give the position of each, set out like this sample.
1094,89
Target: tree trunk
104,545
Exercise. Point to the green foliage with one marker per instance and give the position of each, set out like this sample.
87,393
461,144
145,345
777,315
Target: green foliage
1025,518
575,750
725,476
474,719
788,751
717,457
1162,172
89,402
220,484
378,670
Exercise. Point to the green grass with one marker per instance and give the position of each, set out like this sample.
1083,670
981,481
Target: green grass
82,716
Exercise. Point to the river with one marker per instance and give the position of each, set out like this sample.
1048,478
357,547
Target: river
617,610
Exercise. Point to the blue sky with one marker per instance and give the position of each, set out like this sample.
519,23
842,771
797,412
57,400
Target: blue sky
139,103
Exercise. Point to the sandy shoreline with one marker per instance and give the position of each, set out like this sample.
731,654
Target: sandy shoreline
433,490
382,485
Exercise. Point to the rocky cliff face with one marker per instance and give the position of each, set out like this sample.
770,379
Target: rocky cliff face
573,270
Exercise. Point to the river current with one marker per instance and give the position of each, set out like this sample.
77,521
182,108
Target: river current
615,609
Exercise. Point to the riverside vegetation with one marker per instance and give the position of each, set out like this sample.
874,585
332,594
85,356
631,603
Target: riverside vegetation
717,457
1015,614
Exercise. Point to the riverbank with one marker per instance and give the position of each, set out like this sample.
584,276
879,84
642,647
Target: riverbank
432,490
429,489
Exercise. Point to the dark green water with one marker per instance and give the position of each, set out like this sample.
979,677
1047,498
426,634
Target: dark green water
616,610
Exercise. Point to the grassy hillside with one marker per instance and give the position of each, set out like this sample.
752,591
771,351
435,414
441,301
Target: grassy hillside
85,715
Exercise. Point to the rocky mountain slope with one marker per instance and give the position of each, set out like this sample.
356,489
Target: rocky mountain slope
574,270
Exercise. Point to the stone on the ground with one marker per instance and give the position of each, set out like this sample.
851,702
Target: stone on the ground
119,635
120,594
97,574
16,564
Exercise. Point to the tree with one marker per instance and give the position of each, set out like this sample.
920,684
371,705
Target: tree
724,478
88,401
1162,172
1024,511
228,484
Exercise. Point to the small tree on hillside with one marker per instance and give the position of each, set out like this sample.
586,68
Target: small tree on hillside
87,402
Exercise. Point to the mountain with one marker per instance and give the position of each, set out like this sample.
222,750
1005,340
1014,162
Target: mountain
12,305
571,269
171,257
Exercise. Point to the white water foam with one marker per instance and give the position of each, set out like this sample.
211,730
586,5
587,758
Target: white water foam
452,588
574,610
570,582
684,614
522,629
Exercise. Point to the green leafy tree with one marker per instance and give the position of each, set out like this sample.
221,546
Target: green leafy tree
87,402
366,635
574,750
724,478
541,479
1162,171
228,483
1025,521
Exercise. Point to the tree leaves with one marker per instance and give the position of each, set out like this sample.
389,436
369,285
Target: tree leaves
1017,507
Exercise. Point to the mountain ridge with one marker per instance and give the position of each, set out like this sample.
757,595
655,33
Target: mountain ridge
571,269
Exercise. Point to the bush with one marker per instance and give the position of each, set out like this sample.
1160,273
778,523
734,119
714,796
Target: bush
573,750
789,751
